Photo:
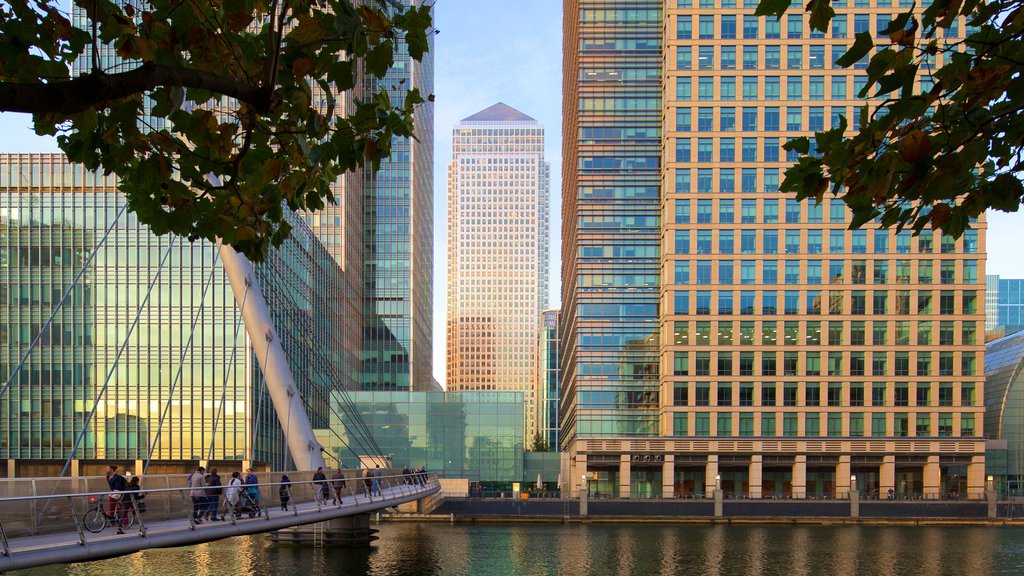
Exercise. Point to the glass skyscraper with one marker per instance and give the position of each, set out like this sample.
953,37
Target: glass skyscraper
205,382
497,253
1004,306
398,241
548,387
788,354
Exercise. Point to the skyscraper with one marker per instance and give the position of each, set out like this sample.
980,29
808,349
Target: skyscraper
717,333
150,336
497,252
548,391
1004,306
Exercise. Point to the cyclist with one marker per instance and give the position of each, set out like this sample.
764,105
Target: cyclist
117,485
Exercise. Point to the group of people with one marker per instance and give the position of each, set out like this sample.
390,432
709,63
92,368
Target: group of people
414,476
206,489
124,495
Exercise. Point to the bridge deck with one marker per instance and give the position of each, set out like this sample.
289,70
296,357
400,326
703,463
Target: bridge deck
64,547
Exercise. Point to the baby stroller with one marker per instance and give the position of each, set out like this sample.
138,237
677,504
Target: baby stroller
248,503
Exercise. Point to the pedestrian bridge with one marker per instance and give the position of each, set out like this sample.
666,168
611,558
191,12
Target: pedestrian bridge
42,519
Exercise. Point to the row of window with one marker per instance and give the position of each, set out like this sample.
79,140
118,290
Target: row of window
836,394
834,302
702,272
792,239
687,4
758,88
753,27
837,333
838,424
842,363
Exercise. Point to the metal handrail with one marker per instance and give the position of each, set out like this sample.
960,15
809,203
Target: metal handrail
174,524
104,493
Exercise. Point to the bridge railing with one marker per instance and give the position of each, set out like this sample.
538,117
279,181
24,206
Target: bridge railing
35,506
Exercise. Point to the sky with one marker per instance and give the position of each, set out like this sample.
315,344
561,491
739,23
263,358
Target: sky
491,51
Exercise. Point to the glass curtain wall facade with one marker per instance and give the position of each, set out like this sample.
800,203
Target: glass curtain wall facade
611,225
795,354
1004,306
1004,402
497,260
548,380
474,435
398,241
210,390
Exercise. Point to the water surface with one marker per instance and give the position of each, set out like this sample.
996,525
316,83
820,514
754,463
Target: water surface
429,549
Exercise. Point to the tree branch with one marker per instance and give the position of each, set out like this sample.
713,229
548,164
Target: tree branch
99,90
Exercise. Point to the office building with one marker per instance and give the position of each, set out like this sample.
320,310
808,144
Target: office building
1004,306
547,390
1004,403
472,435
717,333
130,351
497,253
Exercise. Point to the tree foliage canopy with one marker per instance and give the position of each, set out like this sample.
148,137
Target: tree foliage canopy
938,151
214,111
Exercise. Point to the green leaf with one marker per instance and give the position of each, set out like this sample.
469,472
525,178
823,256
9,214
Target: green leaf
862,44
772,7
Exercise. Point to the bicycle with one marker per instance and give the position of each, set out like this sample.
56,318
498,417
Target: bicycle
96,519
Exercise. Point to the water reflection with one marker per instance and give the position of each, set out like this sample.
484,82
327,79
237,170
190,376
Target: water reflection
407,549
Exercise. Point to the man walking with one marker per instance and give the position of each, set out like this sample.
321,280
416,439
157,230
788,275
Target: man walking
197,482
377,475
338,482
213,492
320,485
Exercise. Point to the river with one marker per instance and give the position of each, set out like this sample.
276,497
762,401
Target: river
428,549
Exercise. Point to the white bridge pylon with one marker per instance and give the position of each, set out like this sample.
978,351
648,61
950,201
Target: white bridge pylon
306,452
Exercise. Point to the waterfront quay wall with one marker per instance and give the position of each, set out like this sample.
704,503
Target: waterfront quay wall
703,510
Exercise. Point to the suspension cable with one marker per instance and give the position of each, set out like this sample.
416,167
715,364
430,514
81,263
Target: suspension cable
181,363
63,299
117,358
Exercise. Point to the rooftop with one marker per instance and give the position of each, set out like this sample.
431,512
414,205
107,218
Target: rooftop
500,112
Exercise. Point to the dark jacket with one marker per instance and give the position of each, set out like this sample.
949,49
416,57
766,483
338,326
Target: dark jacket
213,484
117,483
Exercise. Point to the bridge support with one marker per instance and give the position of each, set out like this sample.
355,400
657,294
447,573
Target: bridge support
266,344
346,531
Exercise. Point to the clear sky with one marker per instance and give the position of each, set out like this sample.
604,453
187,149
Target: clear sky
492,51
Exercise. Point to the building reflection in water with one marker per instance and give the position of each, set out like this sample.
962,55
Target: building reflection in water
597,549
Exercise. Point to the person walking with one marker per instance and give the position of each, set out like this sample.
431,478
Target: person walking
320,485
117,485
213,492
338,483
231,495
197,482
285,491
377,474
251,485
135,495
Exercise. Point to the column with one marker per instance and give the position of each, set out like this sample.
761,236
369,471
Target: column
139,465
11,468
843,476
976,478
800,476
711,482
755,476
578,473
624,476
668,476
74,467
887,476
932,482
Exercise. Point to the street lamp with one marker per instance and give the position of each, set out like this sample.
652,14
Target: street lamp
718,481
